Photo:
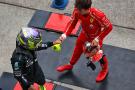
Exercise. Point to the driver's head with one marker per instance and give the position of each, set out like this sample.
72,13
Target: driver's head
83,6
29,38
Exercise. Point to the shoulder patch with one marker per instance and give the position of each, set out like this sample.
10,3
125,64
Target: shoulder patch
74,14
97,13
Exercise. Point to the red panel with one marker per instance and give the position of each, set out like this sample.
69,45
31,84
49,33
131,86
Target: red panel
49,86
59,23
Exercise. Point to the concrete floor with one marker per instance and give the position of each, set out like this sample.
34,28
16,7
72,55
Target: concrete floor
12,18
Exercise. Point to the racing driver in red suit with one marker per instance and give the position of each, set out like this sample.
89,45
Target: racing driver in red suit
95,27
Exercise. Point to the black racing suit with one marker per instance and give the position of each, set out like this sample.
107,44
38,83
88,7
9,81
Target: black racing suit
25,66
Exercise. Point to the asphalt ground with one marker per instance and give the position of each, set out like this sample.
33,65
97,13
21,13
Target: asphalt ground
15,14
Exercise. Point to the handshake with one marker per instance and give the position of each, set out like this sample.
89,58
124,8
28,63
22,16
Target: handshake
57,44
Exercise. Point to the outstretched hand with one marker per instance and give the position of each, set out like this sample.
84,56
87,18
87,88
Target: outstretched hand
58,41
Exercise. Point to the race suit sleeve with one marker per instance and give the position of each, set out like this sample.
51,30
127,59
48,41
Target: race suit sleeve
17,71
106,26
45,46
72,23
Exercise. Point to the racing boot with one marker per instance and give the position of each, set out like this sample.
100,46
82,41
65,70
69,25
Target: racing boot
64,67
104,72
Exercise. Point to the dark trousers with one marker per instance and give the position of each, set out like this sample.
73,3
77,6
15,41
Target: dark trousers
38,77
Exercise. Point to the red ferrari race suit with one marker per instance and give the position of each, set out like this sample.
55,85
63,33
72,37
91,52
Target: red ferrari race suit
95,25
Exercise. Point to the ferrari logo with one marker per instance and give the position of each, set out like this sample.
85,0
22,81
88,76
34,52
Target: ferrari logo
91,20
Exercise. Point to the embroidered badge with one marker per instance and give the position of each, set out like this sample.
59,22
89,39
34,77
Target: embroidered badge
91,20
